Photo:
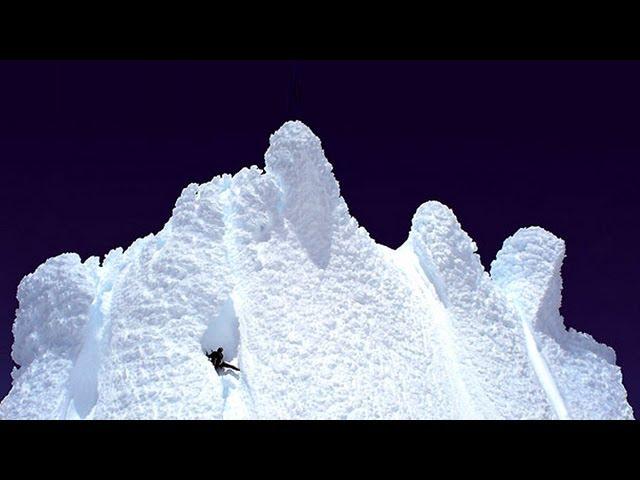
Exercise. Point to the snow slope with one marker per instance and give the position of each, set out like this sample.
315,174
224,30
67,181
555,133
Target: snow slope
323,321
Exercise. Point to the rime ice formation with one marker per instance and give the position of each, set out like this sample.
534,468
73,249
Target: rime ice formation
323,321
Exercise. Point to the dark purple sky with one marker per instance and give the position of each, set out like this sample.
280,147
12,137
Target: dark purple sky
94,155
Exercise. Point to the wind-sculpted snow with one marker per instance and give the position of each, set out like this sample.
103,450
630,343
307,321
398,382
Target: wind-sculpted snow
527,270
174,285
322,321
487,333
327,327
309,190
49,331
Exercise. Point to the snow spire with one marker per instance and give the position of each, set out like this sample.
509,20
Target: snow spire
310,191
446,251
527,270
296,158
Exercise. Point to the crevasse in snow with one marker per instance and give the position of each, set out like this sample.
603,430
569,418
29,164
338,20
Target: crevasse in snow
323,321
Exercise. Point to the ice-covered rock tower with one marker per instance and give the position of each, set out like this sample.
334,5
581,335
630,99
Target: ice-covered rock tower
323,321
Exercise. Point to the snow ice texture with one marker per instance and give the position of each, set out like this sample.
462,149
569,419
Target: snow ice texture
324,322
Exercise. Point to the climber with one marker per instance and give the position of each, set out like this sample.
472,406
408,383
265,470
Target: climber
216,358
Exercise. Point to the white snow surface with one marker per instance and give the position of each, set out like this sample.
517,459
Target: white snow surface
323,322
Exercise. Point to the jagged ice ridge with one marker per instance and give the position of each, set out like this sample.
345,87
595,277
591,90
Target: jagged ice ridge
323,321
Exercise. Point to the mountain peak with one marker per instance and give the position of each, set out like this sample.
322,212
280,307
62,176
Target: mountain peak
293,131
323,322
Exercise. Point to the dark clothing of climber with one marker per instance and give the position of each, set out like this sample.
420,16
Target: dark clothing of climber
217,358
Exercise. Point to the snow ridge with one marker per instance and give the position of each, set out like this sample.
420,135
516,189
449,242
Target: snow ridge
322,321
577,370
484,324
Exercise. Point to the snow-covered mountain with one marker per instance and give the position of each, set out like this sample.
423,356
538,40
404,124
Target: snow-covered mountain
323,321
